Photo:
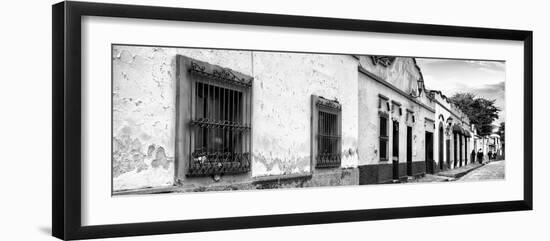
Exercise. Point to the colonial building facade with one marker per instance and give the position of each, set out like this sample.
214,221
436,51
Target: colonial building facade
396,120
454,135
198,119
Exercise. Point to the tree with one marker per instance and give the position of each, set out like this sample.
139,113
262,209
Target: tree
481,112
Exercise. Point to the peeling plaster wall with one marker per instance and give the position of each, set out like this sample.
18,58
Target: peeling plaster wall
403,75
283,85
144,111
144,84
401,69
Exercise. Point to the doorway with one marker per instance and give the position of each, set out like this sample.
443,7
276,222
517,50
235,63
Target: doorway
448,152
409,151
440,146
429,152
395,150
454,150
460,149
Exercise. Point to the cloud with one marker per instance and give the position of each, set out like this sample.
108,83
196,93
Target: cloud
484,78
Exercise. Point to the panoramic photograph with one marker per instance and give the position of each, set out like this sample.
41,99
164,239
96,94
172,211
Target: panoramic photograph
197,120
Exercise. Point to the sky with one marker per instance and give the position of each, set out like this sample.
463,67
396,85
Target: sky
483,78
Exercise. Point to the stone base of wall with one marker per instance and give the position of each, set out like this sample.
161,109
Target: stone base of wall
383,172
320,178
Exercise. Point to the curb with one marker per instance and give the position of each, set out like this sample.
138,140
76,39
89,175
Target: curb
461,174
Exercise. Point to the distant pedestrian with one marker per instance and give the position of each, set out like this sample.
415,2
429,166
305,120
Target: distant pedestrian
480,156
473,156
489,155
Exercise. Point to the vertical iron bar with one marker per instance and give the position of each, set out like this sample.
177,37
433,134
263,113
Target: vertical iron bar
195,129
321,138
240,110
218,110
331,125
203,145
242,122
231,115
208,117
224,116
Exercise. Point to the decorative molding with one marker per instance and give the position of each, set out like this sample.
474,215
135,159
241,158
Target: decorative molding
395,103
383,114
223,75
328,160
397,90
383,97
220,124
326,103
382,60
217,163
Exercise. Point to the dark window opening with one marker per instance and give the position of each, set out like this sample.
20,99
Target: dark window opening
219,121
383,138
429,149
329,140
326,132
395,139
395,150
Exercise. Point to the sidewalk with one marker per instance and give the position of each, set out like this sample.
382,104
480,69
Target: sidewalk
430,178
461,171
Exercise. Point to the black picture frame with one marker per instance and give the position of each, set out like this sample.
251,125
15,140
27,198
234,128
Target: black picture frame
66,127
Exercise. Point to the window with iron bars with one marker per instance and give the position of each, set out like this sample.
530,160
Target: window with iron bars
327,128
220,120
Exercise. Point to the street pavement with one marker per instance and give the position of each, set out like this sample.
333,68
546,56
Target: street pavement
492,170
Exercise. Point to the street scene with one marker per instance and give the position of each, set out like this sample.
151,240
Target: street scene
197,120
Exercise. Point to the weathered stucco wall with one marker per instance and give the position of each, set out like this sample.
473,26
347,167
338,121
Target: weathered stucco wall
144,111
444,112
369,124
403,75
283,85
143,99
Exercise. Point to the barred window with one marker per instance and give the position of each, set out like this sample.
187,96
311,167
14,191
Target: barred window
220,120
326,132
383,138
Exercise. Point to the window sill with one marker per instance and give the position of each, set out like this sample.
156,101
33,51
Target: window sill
281,177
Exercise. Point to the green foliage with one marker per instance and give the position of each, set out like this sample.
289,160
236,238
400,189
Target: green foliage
481,112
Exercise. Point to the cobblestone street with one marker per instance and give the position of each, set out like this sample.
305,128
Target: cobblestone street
493,170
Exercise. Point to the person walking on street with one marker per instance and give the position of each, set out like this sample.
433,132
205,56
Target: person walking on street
480,156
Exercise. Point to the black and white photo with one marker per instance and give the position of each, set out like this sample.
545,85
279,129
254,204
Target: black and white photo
193,119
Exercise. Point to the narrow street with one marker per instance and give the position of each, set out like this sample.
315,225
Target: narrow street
493,170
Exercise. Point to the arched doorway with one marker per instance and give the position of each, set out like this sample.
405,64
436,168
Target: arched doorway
455,141
440,146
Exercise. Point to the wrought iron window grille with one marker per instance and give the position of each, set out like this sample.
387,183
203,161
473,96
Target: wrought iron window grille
328,133
220,124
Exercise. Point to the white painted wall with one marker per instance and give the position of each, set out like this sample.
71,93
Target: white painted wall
144,108
403,75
